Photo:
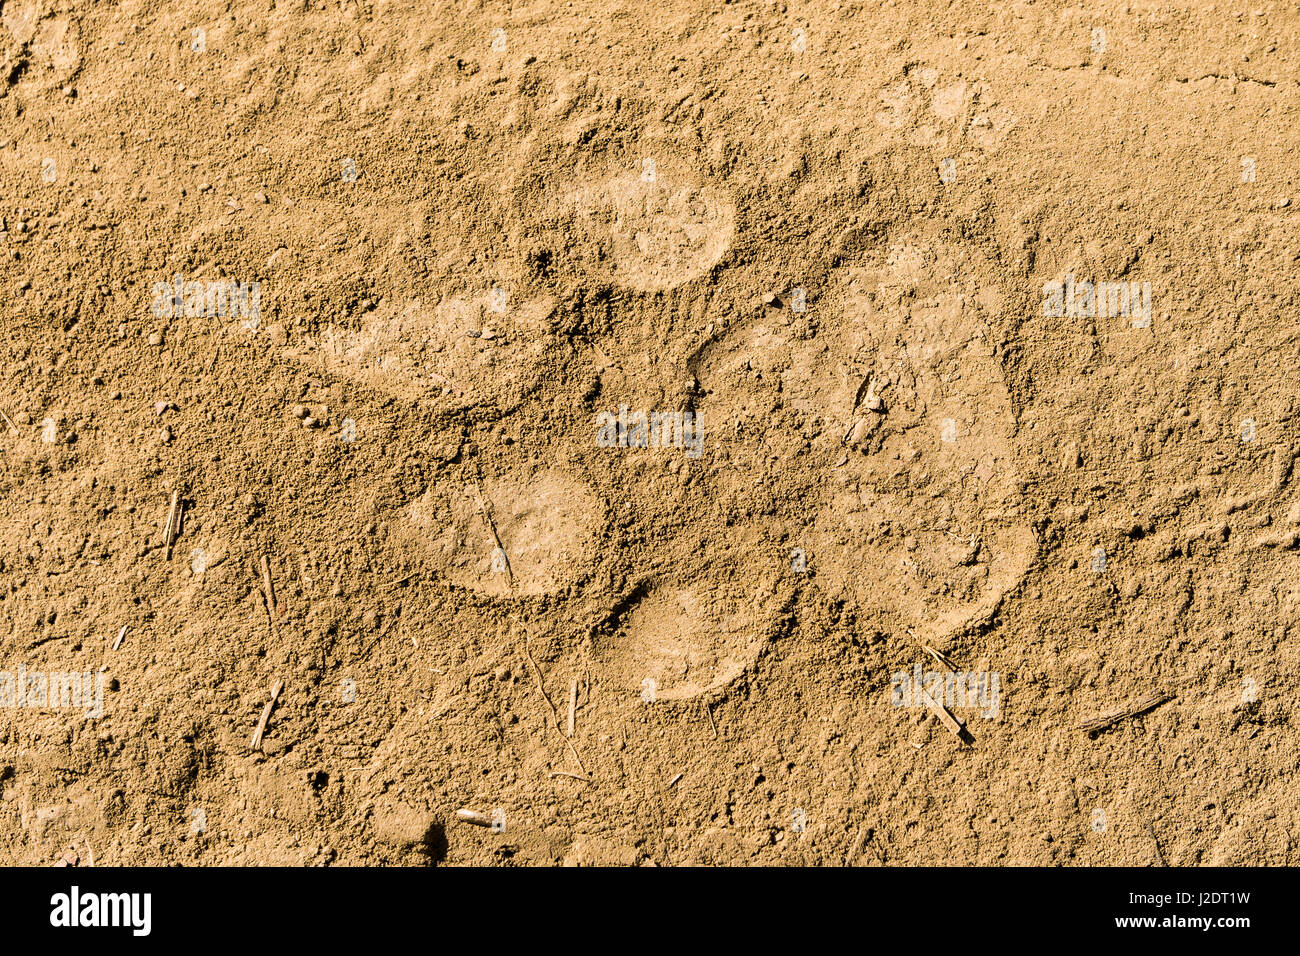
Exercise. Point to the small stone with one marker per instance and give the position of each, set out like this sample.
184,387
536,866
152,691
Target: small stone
769,298
1283,202
166,436
489,333
160,407
260,197
23,418
155,338
309,422
204,187
300,411
473,333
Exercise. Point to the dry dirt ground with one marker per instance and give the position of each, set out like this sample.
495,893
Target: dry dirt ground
469,235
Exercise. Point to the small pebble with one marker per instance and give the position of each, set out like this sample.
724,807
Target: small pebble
1283,203
309,422
299,411
155,338
260,197
23,418
166,436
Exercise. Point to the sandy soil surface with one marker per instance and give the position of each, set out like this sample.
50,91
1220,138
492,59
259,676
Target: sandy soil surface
601,417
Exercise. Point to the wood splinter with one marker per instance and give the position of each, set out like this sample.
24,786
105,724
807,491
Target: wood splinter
256,742
947,719
172,528
268,596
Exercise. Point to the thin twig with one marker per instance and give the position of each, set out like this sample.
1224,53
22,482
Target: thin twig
566,773
573,705
256,742
555,714
485,510
1151,702
946,718
268,595
170,527
46,640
